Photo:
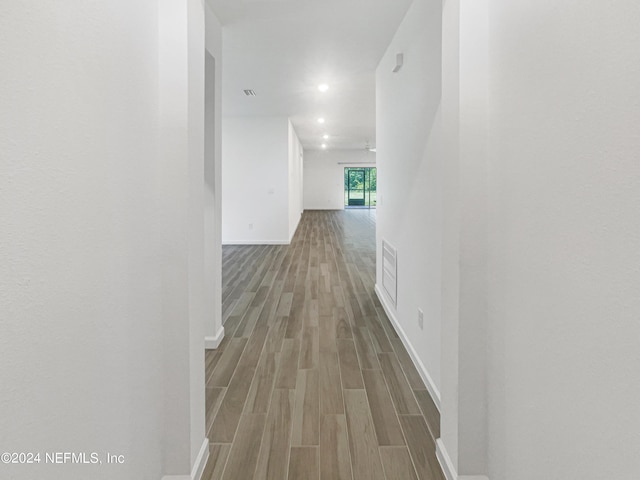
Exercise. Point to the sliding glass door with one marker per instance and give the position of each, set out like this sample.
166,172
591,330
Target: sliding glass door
360,187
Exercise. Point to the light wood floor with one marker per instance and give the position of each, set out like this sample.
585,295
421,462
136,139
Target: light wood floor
311,380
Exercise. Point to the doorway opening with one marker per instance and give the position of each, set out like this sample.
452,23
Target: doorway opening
360,185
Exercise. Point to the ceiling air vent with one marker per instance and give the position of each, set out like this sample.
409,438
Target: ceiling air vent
249,93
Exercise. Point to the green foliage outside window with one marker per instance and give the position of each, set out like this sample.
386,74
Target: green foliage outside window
360,185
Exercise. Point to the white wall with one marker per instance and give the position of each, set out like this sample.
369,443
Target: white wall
181,151
539,187
564,179
102,344
472,90
432,213
295,180
324,176
450,353
409,211
255,191
261,188
464,266
214,331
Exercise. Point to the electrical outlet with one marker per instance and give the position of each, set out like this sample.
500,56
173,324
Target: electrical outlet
251,226
420,319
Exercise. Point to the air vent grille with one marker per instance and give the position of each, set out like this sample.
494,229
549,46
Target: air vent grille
249,93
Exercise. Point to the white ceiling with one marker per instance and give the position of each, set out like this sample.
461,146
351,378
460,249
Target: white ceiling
282,49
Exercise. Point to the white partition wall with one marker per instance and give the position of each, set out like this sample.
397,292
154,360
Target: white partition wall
182,153
214,331
101,242
507,157
262,184
296,186
564,197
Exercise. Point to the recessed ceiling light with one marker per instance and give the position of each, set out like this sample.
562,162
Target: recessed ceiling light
323,87
324,145
325,136
321,120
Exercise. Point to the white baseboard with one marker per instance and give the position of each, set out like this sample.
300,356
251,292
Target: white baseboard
257,242
198,466
211,343
324,209
201,461
424,374
447,465
445,461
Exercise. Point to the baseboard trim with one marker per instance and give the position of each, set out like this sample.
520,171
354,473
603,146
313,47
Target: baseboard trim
447,465
257,242
198,466
445,461
424,374
201,461
324,209
211,343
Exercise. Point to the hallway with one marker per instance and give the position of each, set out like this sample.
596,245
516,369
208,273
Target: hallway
311,380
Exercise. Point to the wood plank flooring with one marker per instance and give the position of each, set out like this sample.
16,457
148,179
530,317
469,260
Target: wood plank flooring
311,380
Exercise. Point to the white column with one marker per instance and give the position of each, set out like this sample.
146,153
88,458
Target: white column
181,90
464,105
